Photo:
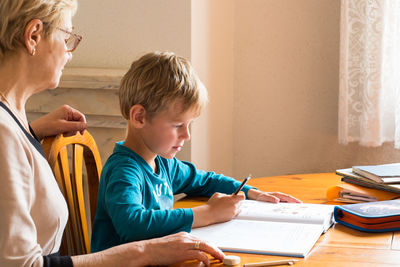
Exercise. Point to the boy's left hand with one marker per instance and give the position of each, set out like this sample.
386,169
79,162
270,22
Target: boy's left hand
273,197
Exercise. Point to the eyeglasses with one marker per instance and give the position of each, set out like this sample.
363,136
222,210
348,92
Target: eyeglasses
73,40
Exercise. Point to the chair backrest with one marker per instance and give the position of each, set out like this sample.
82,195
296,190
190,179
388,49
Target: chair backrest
78,189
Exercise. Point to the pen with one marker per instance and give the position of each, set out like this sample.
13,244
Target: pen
243,183
270,263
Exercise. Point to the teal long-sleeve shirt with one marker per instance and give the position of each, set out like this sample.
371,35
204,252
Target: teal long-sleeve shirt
134,203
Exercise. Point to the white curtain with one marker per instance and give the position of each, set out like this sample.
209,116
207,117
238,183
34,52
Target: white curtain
369,97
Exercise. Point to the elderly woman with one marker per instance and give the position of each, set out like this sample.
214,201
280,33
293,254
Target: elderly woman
35,44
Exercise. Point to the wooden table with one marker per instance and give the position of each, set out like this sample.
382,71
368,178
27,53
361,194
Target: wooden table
340,246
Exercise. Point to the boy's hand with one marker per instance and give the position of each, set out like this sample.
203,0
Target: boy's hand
219,208
273,197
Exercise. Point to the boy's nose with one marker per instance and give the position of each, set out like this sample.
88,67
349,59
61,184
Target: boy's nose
186,134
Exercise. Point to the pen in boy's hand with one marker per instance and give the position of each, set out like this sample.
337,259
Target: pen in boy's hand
243,183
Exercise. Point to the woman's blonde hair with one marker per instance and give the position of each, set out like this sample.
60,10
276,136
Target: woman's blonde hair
158,79
16,14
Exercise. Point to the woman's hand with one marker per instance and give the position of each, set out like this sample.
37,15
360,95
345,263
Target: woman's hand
219,208
178,248
273,197
166,250
65,120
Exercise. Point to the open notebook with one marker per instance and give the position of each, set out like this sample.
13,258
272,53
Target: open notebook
275,229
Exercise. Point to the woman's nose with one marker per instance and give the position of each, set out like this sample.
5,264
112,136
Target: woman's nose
69,56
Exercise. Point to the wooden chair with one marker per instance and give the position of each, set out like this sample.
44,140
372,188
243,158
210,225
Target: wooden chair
76,187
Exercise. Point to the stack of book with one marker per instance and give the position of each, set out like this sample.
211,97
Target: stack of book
367,183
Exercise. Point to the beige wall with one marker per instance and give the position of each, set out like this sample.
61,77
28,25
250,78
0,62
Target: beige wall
286,90
117,32
212,57
271,68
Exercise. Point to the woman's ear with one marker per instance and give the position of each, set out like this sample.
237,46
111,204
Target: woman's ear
137,116
32,35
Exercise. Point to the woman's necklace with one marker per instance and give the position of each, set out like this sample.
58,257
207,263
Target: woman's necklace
22,120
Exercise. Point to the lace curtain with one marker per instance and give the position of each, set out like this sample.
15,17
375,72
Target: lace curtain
369,97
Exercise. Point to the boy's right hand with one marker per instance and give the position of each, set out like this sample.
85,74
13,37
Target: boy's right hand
219,208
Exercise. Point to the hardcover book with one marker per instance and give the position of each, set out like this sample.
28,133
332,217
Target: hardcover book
364,182
349,193
384,173
379,216
382,180
276,229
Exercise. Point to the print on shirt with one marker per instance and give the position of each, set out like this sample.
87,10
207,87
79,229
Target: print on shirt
163,196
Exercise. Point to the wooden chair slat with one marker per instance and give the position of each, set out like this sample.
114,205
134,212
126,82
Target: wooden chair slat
70,179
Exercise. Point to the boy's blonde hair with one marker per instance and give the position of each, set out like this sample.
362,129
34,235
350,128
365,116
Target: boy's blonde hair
16,14
158,79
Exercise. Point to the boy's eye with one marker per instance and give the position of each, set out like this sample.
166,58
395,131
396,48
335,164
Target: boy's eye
178,125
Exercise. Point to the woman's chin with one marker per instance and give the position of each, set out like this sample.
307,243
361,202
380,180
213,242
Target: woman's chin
53,85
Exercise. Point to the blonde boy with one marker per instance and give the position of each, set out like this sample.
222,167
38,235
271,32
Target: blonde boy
160,96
